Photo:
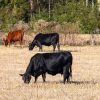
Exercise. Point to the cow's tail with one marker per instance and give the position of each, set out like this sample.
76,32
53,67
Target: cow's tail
71,71
71,67
70,60
58,45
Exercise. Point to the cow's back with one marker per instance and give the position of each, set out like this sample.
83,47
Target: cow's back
41,36
56,61
47,38
18,34
15,35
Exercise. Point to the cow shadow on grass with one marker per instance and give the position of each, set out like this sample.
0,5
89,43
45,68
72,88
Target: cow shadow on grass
56,51
71,82
66,50
83,82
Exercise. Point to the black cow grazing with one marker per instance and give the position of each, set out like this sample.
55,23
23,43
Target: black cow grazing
51,63
45,39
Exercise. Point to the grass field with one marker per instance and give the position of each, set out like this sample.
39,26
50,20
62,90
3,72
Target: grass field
85,82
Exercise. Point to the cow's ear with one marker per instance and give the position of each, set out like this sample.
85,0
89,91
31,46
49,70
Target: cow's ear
21,74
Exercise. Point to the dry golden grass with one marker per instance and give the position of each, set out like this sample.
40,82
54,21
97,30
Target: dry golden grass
85,83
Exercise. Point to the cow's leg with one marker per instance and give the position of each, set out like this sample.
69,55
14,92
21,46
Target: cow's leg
35,79
44,77
66,74
9,43
21,42
54,47
39,45
58,45
40,48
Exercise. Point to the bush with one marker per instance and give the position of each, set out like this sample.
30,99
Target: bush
19,25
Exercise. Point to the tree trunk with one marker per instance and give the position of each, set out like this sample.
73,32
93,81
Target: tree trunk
87,3
38,3
13,3
49,9
31,7
92,3
92,39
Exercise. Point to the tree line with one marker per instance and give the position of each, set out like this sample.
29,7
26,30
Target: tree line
85,12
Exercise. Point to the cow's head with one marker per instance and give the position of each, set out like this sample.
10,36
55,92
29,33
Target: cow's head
26,77
5,42
31,45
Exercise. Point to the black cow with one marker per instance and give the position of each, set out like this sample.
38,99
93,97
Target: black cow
45,39
51,63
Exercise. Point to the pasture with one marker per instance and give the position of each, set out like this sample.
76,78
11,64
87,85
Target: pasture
85,82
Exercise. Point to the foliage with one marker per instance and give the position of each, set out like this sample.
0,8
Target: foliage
88,23
30,11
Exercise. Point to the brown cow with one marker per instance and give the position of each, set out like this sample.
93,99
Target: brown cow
14,36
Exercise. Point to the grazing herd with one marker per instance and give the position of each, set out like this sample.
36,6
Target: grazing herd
42,63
